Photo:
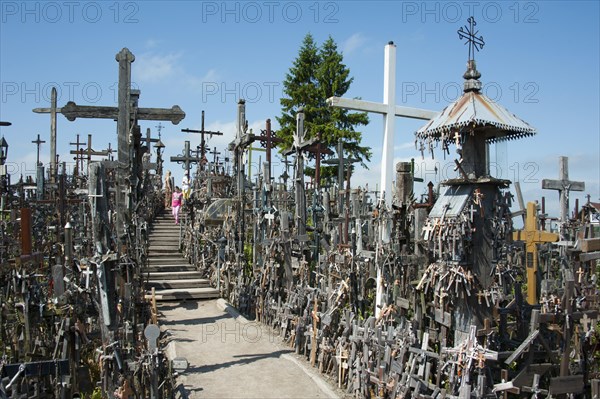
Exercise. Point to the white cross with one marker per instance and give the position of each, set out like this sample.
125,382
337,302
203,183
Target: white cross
389,110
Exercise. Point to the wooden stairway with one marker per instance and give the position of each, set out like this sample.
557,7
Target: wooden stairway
170,274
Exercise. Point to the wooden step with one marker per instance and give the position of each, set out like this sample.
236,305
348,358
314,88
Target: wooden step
165,229
155,276
171,260
173,254
180,294
178,284
156,248
169,269
163,241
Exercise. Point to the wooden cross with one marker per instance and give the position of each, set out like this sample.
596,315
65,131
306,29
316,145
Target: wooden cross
53,110
202,133
38,142
389,110
341,164
532,236
563,185
79,155
127,114
149,140
88,152
581,273
313,341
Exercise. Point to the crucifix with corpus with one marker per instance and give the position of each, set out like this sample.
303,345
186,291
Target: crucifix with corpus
532,237
563,185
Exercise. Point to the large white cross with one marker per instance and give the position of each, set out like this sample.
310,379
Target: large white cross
389,110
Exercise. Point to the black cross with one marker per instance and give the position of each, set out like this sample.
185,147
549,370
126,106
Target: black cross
159,127
214,154
469,33
78,154
38,142
202,132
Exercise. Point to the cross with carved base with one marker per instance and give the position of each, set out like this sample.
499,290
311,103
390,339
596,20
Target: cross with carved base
532,236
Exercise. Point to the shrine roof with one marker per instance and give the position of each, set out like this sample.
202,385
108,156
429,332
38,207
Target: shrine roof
472,110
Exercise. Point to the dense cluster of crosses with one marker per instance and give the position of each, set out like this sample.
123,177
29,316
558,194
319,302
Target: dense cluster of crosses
389,296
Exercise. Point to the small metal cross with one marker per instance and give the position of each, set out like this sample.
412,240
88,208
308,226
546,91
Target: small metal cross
469,33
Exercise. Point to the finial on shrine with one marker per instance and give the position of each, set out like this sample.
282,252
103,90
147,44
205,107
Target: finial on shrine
475,43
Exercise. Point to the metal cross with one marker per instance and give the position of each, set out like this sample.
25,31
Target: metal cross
214,154
78,154
186,157
38,142
202,132
469,33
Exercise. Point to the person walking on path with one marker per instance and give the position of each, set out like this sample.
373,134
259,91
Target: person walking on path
168,189
176,203
185,186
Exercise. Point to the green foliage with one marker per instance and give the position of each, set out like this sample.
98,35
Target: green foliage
317,74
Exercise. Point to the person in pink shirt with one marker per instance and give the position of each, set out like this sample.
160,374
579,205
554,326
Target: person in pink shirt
176,203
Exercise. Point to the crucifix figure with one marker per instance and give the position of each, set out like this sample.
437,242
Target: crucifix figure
38,142
532,236
389,110
563,185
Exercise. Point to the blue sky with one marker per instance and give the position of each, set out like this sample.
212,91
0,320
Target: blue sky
540,60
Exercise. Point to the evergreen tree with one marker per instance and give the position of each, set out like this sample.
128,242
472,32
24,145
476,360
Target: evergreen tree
301,88
316,75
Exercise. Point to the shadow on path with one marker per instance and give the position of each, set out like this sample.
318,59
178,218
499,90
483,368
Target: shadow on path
193,322
243,359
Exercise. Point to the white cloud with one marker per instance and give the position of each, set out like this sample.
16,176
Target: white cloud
353,43
152,67
152,43
210,76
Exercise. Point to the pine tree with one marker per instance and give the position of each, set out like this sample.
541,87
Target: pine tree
301,88
316,75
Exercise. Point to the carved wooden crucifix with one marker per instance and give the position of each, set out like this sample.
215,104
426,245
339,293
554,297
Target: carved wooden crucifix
127,114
